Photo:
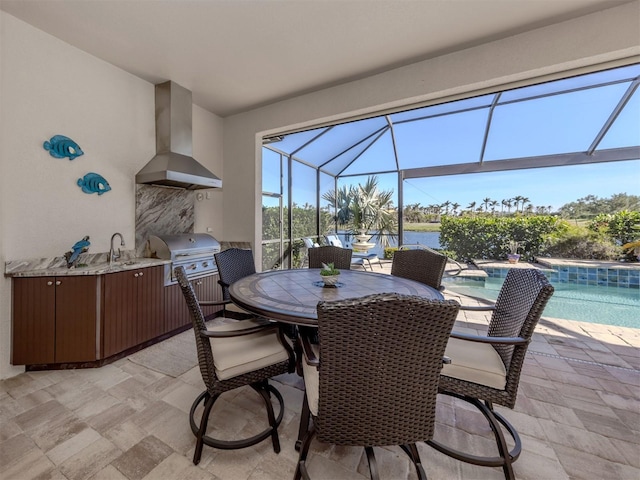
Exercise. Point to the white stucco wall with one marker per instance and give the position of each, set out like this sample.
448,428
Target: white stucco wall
610,35
207,149
48,87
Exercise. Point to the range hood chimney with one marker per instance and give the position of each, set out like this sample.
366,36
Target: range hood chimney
174,165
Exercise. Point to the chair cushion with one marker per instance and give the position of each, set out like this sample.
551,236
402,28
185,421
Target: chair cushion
232,307
312,381
233,356
475,362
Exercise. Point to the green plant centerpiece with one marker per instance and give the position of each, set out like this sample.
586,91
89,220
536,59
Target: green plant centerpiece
329,274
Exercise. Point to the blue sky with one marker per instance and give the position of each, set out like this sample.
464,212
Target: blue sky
550,118
544,187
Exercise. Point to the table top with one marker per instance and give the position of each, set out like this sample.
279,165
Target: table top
291,296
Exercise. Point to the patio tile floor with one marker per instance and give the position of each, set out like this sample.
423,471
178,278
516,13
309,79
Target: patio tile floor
577,412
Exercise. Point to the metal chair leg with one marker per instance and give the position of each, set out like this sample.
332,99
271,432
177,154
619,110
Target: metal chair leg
209,401
202,438
301,468
304,422
264,391
412,451
373,465
505,458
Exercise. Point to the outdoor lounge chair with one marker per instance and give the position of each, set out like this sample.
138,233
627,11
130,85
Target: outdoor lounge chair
380,389
486,369
233,355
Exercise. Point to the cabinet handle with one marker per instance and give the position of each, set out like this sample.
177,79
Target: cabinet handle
135,275
199,283
58,282
49,283
141,273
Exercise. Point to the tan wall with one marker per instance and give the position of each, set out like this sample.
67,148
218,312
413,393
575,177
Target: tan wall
606,36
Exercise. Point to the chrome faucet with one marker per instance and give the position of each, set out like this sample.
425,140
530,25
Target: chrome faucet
113,256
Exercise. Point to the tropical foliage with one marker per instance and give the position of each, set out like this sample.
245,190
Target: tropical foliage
490,237
365,207
620,227
572,241
583,208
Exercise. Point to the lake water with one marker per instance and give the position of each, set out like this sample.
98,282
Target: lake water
430,239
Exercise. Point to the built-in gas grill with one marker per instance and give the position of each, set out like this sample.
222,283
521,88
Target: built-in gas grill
193,251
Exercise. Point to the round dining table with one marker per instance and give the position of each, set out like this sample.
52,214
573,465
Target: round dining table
291,296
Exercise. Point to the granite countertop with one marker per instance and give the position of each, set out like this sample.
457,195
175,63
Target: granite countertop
90,266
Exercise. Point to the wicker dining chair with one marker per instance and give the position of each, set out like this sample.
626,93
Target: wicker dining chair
233,264
422,265
373,378
234,355
357,258
486,369
340,257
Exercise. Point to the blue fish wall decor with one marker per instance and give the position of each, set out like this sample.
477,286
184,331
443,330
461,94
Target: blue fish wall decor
93,183
79,247
60,146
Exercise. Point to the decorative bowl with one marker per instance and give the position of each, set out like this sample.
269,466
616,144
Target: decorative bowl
330,280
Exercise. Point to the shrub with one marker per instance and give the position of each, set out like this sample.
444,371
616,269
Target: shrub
389,251
579,242
489,237
620,227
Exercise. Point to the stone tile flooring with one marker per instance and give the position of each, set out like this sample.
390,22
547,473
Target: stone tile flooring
578,413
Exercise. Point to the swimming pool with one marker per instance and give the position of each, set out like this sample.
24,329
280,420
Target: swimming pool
586,303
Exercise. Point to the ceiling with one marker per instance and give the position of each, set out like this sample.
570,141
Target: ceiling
236,55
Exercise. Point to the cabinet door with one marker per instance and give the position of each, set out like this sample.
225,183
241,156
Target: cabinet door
76,315
150,293
176,312
207,288
133,309
119,330
33,332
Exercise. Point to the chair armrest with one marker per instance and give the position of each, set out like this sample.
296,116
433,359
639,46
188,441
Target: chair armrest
264,325
210,303
307,350
479,308
492,340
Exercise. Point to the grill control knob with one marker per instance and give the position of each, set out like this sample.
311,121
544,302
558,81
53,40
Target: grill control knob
192,266
205,264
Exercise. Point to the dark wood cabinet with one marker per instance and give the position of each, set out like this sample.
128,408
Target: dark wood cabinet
54,319
133,309
176,311
89,318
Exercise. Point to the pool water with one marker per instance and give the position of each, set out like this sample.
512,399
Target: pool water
586,303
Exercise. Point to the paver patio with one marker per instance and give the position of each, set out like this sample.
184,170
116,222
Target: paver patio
578,413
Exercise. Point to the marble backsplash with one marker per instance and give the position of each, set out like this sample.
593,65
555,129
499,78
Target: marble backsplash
16,266
162,211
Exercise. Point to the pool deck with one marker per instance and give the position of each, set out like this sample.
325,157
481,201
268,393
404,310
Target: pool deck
554,263
578,413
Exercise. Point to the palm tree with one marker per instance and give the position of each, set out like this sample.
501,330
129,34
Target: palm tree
364,207
509,204
517,199
455,207
486,201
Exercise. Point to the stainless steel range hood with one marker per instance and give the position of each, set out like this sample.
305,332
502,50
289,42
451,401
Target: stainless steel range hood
174,165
